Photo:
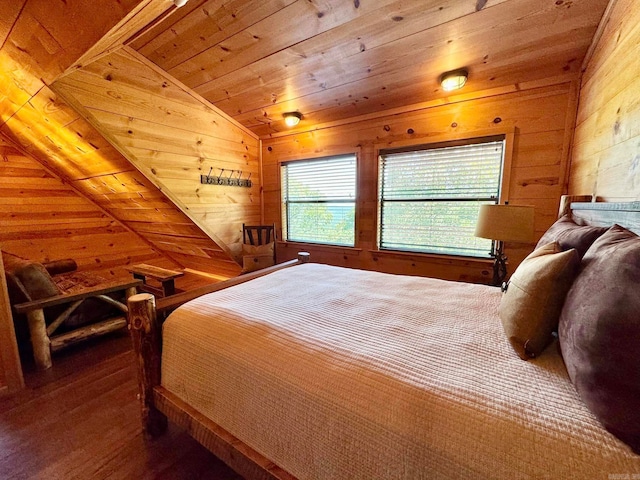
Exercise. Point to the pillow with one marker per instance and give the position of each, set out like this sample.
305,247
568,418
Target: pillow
571,235
257,257
27,280
599,333
531,305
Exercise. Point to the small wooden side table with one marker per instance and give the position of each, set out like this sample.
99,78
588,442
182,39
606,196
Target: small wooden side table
163,276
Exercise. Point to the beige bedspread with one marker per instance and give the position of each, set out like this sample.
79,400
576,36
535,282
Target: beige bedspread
335,373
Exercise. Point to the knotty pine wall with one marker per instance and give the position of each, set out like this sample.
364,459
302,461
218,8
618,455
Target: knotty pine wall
606,151
64,143
45,219
36,46
172,136
540,117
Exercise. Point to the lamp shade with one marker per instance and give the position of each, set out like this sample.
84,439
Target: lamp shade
507,223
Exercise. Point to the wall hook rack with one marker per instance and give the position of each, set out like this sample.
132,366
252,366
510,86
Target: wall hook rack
229,181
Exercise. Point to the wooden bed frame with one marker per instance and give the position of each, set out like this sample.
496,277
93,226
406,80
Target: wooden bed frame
159,405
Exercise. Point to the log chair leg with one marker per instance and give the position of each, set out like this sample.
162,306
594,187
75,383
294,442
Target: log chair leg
147,344
129,292
39,339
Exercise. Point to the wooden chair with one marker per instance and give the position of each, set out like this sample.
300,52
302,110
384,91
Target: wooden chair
258,247
258,234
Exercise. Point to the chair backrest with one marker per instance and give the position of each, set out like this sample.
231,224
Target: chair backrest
258,234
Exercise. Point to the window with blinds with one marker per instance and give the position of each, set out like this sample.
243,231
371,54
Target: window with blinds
430,197
319,200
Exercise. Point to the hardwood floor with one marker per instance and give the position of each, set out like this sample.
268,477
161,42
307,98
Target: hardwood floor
80,420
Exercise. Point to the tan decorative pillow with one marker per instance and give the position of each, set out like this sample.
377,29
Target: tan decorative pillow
256,257
531,306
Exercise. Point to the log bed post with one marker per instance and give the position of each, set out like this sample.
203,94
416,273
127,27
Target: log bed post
145,326
566,200
147,343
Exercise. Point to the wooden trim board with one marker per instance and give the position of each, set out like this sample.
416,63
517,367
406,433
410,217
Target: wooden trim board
9,356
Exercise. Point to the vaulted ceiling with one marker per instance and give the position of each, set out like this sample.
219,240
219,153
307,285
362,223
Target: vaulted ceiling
334,59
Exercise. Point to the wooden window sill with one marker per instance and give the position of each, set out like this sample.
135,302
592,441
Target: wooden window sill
320,246
432,257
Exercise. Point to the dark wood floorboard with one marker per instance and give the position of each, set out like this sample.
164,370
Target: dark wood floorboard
80,420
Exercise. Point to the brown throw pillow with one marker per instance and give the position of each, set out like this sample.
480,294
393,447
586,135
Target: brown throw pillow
570,235
27,280
531,305
257,257
599,333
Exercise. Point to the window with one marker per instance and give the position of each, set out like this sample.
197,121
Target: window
319,200
430,197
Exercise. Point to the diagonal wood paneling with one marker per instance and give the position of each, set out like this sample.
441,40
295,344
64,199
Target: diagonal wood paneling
60,139
38,46
44,218
172,136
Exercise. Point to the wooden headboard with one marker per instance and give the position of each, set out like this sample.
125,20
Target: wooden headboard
601,214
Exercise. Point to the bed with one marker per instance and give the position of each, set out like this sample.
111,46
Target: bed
311,371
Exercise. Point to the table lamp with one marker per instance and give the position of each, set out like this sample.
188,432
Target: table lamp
504,223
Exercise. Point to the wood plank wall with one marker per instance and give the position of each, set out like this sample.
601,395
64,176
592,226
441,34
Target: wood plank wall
172,136
44,218
540,117
11,378
36,46
606,151
54,134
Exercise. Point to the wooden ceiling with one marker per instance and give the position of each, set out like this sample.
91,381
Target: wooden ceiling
336,59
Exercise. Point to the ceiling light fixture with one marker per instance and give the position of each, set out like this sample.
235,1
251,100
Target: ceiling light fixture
454,79
292,118
180,3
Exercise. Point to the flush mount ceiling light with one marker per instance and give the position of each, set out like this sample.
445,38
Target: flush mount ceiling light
454,79
292,118
180,3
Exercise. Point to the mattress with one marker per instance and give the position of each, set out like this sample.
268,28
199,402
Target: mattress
335,373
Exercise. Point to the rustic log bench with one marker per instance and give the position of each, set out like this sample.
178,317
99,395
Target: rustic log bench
42,338
163,276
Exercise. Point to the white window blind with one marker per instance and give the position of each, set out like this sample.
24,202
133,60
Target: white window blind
429,199
318,198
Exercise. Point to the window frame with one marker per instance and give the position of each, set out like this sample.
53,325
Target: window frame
507,133
283,205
